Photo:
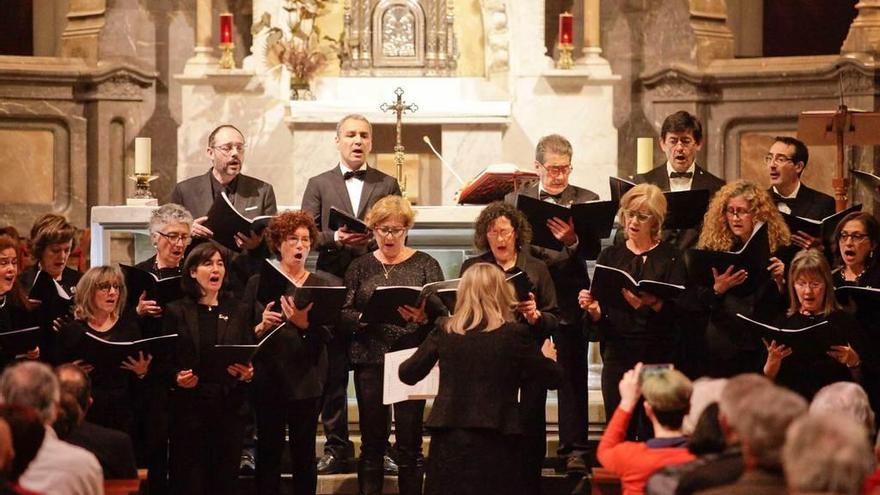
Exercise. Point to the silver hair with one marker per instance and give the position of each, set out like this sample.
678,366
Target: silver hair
844,398
827,454
169,213
352,116
736,388
706,391
763,417
31,384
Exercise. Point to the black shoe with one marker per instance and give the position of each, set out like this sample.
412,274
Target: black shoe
575,464
330,464
248,465
389,467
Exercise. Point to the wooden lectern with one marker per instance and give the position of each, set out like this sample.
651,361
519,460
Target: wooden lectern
493,183
842,128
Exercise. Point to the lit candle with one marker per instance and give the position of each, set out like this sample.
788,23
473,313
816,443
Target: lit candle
225,28
566,25
644,155
142,158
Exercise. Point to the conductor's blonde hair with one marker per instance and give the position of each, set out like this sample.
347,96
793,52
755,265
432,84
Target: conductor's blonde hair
484,302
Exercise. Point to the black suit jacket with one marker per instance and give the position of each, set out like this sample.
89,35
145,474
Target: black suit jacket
112,448
702,179
568,267
328,189
809,203
683,239
480,373
252,197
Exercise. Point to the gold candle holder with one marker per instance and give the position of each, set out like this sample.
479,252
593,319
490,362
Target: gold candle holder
226,60
142,185
565,60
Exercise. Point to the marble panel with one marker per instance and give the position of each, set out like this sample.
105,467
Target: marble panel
28,156
468,148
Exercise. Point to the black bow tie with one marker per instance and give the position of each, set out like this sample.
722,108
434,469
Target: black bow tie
786,201
681,175
357,174
544,196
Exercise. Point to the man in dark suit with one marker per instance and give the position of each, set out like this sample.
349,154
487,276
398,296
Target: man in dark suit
786,161
681,137
112,448
352,187
250,196
568,269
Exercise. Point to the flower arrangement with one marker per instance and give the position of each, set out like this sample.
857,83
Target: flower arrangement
302,53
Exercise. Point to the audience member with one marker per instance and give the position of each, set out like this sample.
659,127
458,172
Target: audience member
27,436
59,467
845,399
826,454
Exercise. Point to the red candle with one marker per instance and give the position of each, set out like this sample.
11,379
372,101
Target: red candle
566,26
226,28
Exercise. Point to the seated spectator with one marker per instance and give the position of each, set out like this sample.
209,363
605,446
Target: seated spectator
726,467
706,391
59,467
113,448
764,415
667,394
846,399
826,454
27,437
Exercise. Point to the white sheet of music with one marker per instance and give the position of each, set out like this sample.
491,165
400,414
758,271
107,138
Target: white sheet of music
397,391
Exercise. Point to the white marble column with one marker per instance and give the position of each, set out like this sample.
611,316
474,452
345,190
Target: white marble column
203,57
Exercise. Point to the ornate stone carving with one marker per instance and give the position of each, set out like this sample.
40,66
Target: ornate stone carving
864,32
116,83
495,26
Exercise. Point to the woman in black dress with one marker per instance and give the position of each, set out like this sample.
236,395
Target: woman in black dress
813,302
644,330
290,370
484,357
52,240
393,263
99,311
501,231
15,309
209,412
727,348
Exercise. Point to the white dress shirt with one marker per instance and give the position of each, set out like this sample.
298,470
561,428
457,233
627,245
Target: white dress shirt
784,208
354,186
680,183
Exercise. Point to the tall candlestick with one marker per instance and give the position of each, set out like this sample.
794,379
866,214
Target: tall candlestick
226,28
644,155
142,156
566,28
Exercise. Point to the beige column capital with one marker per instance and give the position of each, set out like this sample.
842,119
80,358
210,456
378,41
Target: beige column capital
864,32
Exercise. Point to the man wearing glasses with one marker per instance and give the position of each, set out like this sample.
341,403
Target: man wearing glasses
568,271
250,196
351,187
785,162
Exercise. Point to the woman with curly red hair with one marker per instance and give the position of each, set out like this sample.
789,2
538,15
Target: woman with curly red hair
727,348
290,370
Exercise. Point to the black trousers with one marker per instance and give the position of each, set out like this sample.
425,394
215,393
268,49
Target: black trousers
374,434
533,400
617,359
151,435
471,461
206,440
301,419
571,355
334,403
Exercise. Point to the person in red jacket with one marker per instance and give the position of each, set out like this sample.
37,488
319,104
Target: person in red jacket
667,395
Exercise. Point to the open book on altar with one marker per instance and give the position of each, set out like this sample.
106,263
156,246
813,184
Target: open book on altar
493,183
396,391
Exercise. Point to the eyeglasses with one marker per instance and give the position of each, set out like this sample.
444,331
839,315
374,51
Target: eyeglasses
390,231
557,169
685,142
227,148
174,237
777,159
855,236
304,240
642,217
106,286
738,212
803,284
500,234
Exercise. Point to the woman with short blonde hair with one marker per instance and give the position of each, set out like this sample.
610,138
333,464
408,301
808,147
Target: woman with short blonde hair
649,197
485,357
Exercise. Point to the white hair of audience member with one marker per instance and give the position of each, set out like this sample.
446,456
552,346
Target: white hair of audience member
706,391
762,420
32,384
736,389
827,454
844,398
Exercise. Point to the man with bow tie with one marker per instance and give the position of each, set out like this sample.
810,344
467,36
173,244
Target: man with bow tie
785,162
681,137
568,270
352,187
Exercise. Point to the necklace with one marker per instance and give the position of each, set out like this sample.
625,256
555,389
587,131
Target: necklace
300,279
856,276
388,270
